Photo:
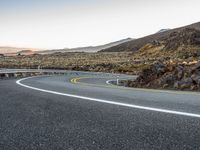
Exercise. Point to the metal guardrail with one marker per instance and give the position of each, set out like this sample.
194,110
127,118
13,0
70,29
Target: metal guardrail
29,70
7,73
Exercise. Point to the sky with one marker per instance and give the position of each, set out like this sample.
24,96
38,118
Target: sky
51,24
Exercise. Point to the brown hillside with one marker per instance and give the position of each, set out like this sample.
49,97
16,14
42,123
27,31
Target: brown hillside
135,45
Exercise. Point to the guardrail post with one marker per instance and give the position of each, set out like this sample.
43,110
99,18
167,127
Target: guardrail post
117,81
23,74
7,75
16,75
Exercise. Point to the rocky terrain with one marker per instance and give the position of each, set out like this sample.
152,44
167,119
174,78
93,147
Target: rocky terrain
168,59
174,62
168,76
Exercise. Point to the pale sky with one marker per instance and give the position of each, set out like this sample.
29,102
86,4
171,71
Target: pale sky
73,23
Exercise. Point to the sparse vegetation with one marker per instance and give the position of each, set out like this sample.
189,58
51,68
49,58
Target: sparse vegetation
173,63
173,49
105,62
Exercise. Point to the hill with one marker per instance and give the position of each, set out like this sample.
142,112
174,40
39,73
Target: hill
6,50
136,44
172,61
86,49
13,51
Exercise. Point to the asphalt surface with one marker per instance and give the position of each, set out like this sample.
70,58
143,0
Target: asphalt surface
32,119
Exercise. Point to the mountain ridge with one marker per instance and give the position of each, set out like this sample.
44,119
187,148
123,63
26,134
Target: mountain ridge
15,50
136,44
9,49
86,49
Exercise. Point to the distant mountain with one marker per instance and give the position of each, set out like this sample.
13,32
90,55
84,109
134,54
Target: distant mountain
136,44
162,30
26,52
86,49
13,51
9,50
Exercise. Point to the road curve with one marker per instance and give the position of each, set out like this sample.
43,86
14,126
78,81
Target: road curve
79,110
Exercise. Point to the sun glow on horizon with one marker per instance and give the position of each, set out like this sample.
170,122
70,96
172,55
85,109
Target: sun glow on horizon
49,24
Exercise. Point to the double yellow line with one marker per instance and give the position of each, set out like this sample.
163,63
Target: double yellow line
75,80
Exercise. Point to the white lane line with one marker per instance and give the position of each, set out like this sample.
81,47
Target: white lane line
109,102
108,82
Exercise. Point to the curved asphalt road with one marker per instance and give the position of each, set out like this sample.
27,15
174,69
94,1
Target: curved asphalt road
80,111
